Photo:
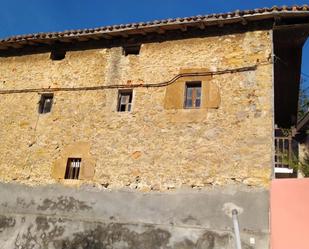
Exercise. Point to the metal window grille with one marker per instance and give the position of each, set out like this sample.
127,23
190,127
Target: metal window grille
193,95
46,103
124,101
73,168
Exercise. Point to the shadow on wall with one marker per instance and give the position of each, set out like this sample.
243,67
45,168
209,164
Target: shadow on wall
57,217
57,233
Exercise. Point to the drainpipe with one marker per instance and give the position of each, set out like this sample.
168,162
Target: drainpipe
236,228
273,149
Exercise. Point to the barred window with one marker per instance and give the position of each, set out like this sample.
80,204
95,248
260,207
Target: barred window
73,168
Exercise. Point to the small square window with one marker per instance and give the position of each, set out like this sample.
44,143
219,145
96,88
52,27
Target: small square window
124,100
73,168
132,49
46,103
57,54
193,95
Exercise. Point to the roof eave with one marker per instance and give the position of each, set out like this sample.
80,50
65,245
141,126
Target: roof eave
111,32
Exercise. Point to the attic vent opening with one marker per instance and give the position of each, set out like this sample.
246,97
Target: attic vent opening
57,55
131,50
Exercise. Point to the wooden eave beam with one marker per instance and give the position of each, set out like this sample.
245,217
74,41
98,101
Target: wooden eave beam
160,30
124,35
220,24
289,26
3,47
201,25
67,39
15,45
243,21
142,32
45,41
183,27
107,36
277,19
95,37
29,42
83,38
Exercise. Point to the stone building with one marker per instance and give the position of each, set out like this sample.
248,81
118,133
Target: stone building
146,135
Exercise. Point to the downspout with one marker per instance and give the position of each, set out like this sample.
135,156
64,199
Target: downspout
273,104
236,229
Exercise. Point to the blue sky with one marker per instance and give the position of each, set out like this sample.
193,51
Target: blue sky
30,16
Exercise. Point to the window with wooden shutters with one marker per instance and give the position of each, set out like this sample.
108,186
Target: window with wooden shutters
124,100
193,95
73,168
46,103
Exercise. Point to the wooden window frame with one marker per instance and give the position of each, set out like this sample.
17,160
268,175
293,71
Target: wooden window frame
194,85
43,107
128,93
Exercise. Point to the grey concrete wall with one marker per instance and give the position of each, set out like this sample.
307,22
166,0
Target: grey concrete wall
56,217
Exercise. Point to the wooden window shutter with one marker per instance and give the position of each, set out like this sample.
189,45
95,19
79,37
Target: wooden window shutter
87,169
210,95
58,169
174,95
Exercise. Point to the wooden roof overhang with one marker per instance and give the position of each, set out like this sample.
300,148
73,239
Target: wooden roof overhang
147,31
288,43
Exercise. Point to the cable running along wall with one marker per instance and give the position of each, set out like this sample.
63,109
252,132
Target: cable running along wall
162,84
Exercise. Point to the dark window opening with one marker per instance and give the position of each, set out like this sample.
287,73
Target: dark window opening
193,95
73,168
131,50
46,103
57,55
124,100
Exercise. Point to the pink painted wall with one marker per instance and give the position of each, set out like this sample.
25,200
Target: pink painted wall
289,211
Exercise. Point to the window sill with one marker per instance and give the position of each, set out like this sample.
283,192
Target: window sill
71,182
192,108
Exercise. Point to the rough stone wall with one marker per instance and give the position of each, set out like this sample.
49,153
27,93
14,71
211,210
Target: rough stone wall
150,148
57,217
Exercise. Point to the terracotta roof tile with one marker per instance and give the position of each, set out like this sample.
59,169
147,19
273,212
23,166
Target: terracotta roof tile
122,28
